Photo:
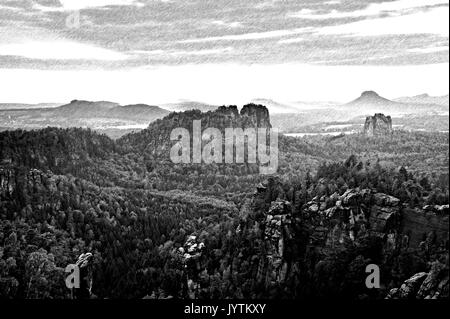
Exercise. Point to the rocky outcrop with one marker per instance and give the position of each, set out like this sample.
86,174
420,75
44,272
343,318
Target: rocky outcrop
409,288
338,218
84,263
423,285
278,233
294,237
27,182
330,222
437,209
192,253
7,183
255,115
379,124
335,219
155,140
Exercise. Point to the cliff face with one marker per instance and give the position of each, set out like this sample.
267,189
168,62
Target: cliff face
331,223
336,220
379,124
278,236
155,140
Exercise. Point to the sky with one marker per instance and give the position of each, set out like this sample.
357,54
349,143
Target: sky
221,51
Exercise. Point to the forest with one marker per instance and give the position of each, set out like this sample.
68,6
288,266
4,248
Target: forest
64,192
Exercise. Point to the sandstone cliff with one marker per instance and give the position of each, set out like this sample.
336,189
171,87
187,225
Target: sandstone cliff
155,142
379,124
333,223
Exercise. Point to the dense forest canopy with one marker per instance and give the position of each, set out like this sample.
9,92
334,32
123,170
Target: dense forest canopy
64,192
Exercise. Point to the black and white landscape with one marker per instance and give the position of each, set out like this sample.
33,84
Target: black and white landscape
94,206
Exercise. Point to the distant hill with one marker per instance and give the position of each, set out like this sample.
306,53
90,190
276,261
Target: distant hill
371,98
15,106
370,102
107,117
276,107
425,99
103,109
83,109
188,106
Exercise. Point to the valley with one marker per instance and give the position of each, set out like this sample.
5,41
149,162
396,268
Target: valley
160,230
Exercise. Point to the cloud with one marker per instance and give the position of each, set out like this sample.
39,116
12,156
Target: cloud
131,33
71,5
293,40
374,9
231,25
184,52
429,49
250,36
59,50
433,21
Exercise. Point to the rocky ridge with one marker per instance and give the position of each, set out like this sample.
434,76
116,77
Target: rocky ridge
332,222
155,140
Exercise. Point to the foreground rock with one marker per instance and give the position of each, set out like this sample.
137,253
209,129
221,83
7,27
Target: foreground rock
431,285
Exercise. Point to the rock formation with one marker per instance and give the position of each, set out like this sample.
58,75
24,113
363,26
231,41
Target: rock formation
336,219
192,254
423,285
379,124
330,223
84,263
278,233
253,115
156,138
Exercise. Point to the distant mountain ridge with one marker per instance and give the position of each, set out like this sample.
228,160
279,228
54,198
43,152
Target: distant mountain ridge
371,97
104,116
188,106
19,106
105,109
275,107
372,102
116,120
425,99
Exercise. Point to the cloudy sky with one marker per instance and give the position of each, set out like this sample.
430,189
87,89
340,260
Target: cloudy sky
221,51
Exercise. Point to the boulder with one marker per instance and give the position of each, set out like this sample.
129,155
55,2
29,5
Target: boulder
280,207
423,285
381,199
435,284
409,288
